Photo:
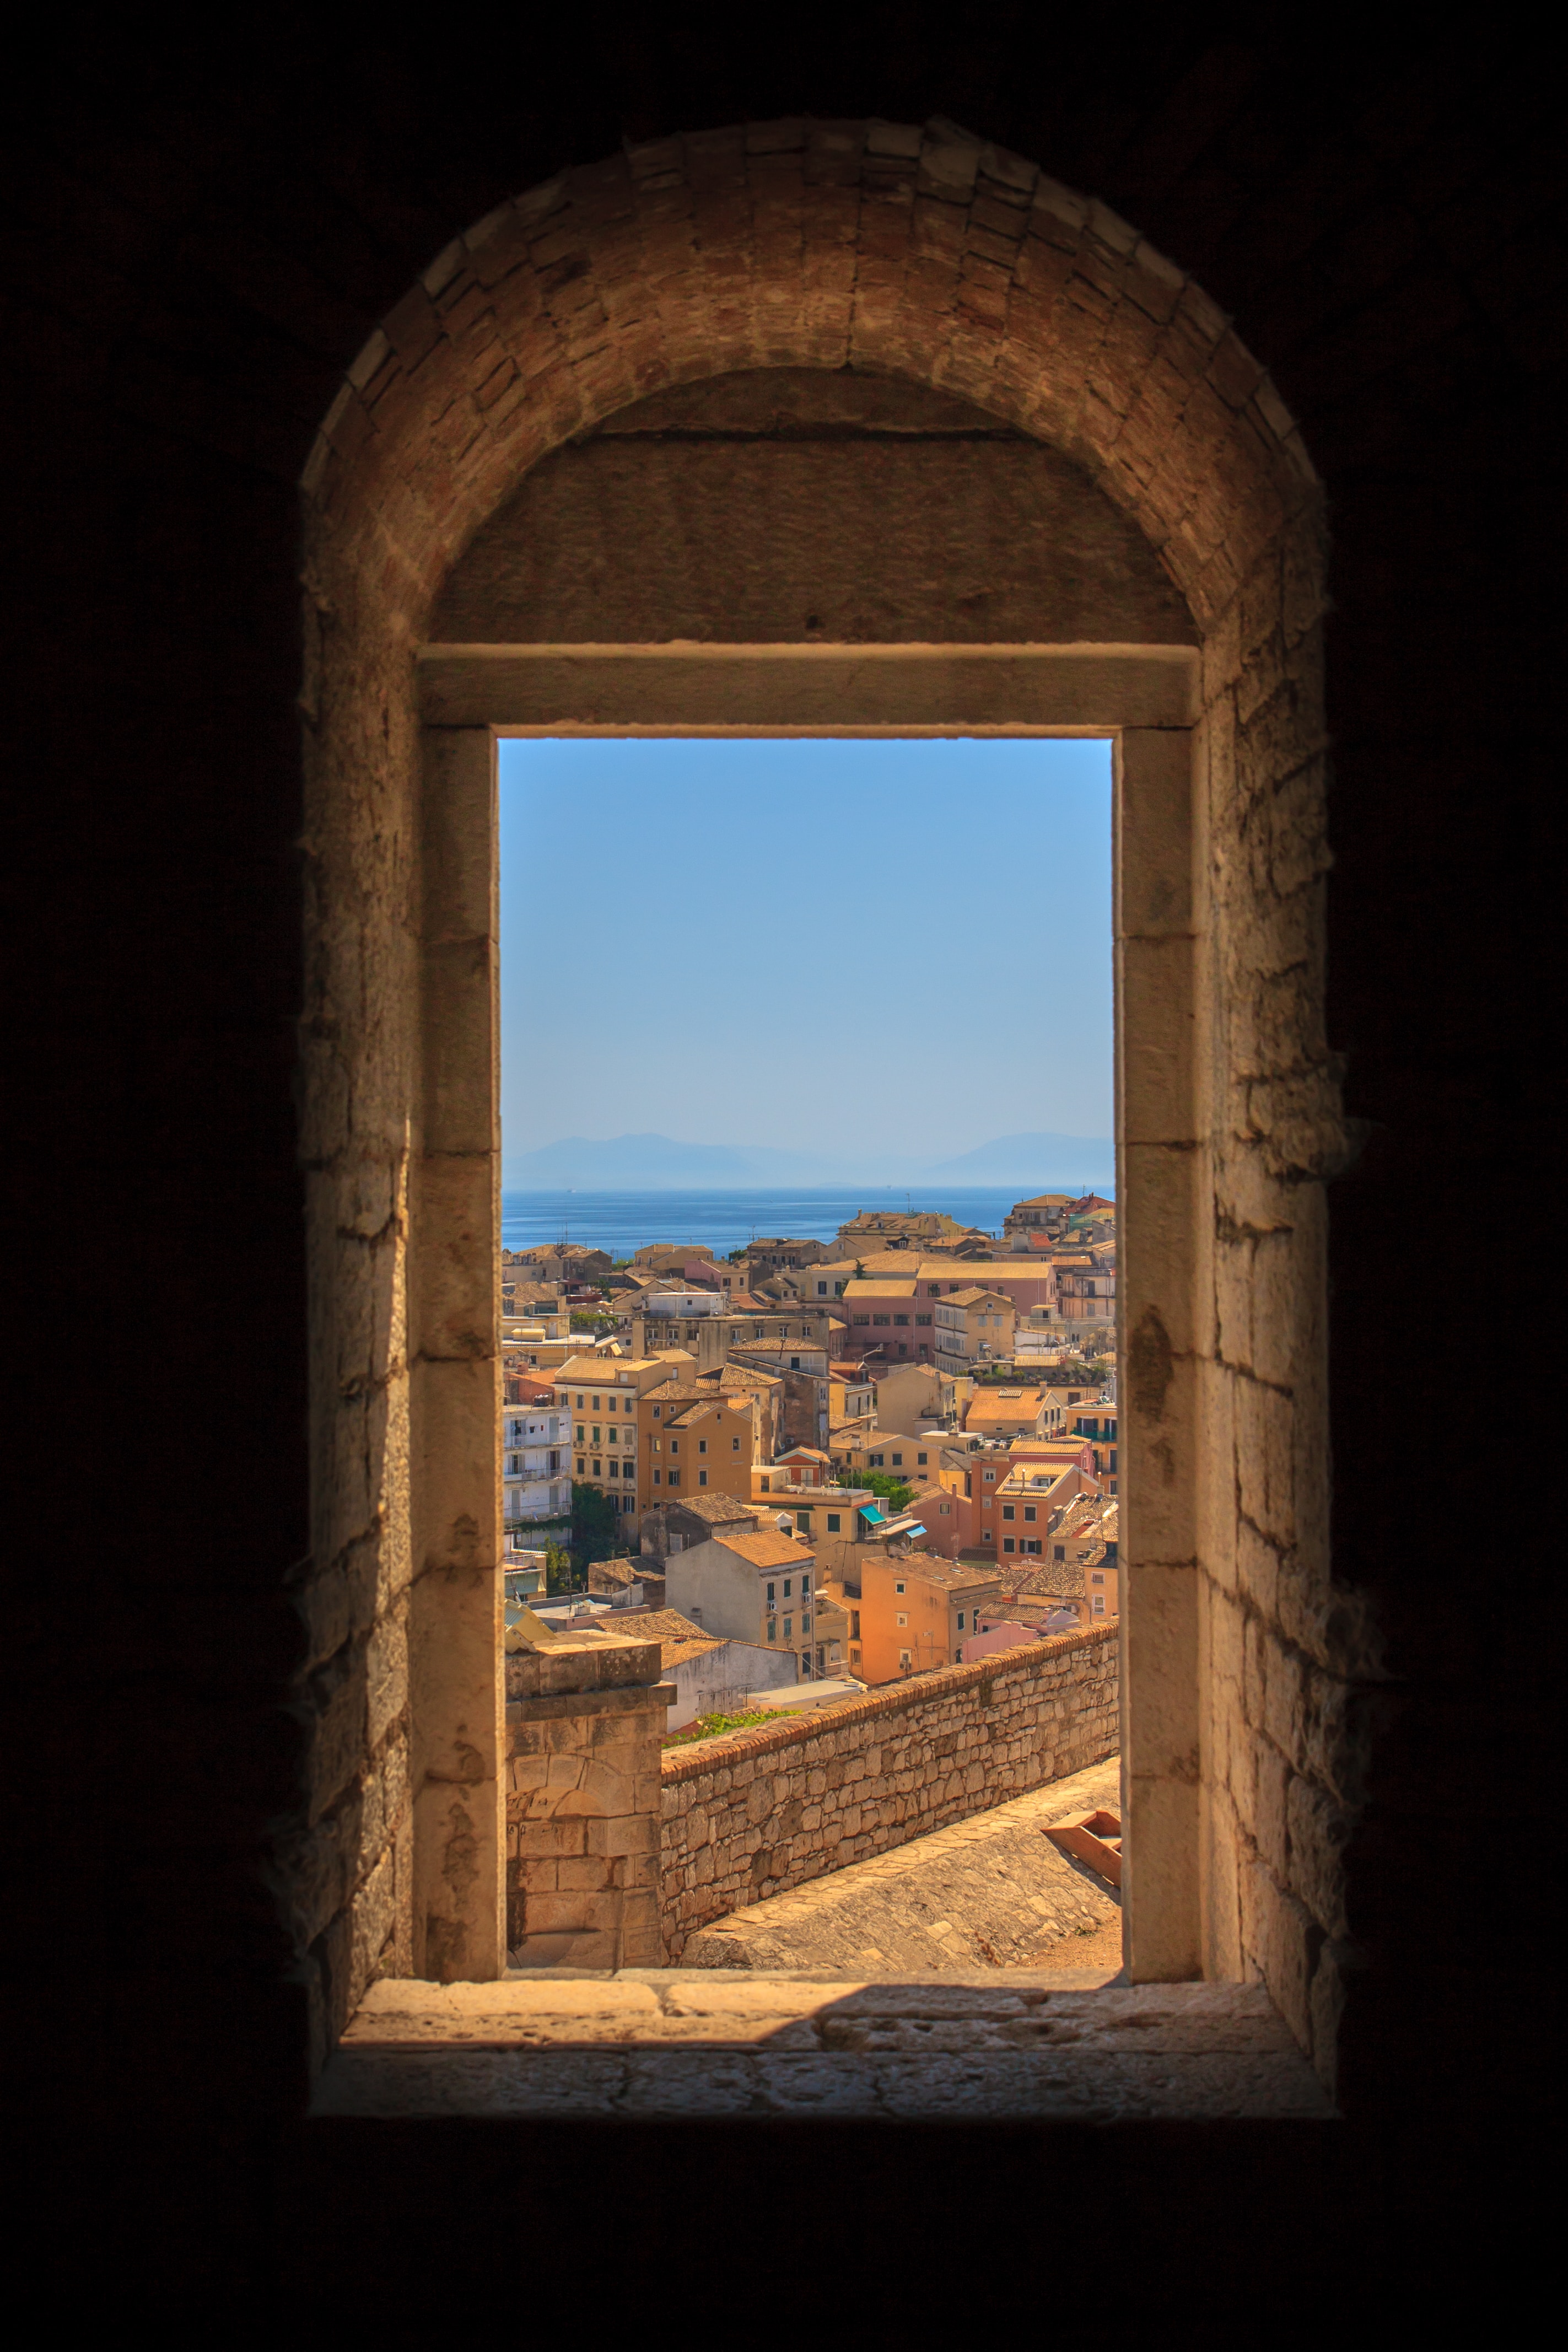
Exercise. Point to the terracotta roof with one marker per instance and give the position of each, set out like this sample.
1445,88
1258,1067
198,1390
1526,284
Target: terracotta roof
931,1570
1041,1578
719,1510
769,1549
969,1298
677,1637
742,1377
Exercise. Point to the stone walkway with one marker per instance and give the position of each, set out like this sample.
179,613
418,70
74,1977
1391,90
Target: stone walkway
648,2042
991,1892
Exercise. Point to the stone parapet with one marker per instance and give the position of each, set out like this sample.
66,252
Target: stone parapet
748,1817
585,1713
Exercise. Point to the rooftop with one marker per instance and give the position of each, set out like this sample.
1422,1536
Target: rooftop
678,1638
766,1549
718,1510
952,1576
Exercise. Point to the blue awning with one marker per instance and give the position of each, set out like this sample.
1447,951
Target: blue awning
874,1517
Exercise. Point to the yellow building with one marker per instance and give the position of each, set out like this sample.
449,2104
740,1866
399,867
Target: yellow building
913,1459
603,1397
974,1325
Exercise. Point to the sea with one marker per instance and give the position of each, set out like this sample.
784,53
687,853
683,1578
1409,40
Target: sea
621,1222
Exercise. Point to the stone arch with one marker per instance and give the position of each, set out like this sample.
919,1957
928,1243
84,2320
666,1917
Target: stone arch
921,254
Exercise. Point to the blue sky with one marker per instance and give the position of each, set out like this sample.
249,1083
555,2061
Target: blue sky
690,928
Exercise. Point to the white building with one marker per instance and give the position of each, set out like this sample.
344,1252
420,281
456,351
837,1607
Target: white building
536,1468
677,1304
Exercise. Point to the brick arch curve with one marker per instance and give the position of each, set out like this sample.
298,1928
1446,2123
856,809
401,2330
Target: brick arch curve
921,252
925,254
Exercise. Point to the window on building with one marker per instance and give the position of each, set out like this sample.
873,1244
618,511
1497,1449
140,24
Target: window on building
898,1588
580,1470
789,1629
903,1617
1008,1511
702,1477
773,1629
702,1445
1030,1512
833,1523
960,1620
1006,1543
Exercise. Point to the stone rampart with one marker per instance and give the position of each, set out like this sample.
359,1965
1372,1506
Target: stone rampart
747,1817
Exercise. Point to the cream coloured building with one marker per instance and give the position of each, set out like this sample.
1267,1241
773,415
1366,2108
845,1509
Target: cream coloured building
973,1327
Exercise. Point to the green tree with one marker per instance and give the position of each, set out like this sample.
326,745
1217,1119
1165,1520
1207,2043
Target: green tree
897,1492
592,1527
559,1575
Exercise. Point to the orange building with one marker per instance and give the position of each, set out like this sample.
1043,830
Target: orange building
691,1440
916,1613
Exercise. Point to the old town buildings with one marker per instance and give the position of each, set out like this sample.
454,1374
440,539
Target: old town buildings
854,1461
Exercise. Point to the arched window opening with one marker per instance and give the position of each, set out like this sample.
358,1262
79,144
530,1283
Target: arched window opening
468,573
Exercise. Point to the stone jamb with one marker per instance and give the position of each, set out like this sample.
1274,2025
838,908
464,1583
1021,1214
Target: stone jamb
811,690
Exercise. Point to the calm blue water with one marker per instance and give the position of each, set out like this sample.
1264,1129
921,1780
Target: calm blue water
624,1222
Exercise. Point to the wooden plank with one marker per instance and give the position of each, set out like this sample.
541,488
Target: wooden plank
1094,1838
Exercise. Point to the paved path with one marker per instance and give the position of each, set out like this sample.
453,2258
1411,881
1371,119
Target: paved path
990,1892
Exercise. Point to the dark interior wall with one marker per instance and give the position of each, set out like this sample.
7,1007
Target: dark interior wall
799,503
205,219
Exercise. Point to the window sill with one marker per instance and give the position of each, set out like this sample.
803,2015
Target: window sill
642,2043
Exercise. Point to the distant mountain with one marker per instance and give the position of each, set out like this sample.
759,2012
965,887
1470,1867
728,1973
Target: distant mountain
652,1163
